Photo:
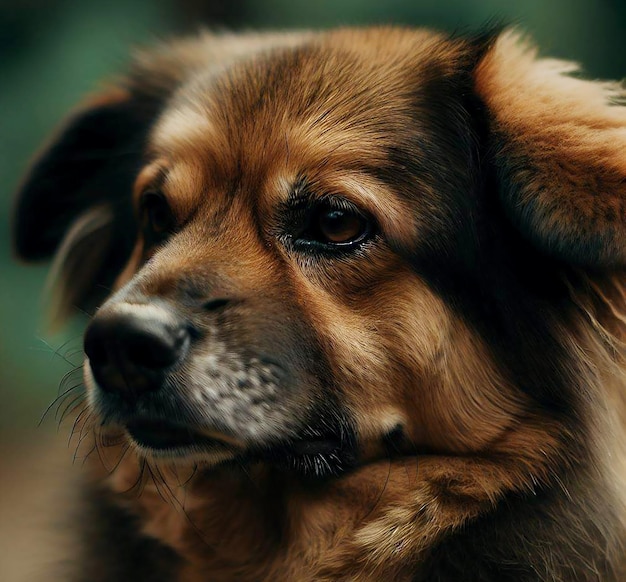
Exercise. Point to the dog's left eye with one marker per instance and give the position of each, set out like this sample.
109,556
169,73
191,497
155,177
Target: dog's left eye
340,226
157,217
334,226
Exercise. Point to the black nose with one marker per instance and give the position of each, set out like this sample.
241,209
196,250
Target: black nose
131,347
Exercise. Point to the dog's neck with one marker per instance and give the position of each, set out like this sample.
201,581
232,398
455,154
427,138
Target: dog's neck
243,523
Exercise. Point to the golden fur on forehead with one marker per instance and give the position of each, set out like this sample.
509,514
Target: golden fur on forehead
320,94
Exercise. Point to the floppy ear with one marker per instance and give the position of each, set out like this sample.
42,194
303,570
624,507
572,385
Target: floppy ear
558,144
75,202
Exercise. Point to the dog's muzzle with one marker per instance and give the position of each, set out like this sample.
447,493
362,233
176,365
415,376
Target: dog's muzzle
132,349
179,391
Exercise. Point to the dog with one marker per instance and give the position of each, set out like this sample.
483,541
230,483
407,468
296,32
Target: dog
358,309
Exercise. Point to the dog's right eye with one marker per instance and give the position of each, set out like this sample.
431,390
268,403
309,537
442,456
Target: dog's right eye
157,218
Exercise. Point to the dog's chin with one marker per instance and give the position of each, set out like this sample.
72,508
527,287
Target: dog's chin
168,441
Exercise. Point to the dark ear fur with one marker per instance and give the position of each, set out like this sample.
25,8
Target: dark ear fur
558,144
75,202
82,167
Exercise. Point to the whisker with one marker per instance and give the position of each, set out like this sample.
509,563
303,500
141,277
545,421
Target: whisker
81,310
87,425
181,508
193,473
81,438
69,408
57,352
142,477
69,377
84,459
75,424
58,400
172,495
123,454
76,352
156,484
69,401
97,447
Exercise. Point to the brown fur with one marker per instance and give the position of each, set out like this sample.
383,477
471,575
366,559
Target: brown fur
482,327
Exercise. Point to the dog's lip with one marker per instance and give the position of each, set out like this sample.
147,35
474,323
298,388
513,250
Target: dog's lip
165,435
315,446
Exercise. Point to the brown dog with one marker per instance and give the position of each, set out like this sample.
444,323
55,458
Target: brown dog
366,318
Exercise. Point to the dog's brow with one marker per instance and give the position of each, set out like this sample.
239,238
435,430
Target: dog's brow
299,190
152,176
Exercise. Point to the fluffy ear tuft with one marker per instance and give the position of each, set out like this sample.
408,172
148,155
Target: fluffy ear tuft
559,148
78,262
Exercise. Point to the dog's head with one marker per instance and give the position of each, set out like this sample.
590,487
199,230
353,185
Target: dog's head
318,248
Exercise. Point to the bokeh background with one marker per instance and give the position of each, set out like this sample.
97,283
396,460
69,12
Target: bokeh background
54,51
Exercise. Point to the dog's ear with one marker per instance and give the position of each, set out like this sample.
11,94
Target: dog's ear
558,146
75,202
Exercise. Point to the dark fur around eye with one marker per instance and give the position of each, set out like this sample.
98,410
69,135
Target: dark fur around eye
156,218
329,224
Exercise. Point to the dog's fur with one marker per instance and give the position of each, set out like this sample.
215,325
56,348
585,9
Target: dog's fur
465,361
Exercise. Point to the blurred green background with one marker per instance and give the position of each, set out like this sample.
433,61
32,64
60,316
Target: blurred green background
54,51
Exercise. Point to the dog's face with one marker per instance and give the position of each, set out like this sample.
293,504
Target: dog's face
321,247
271,264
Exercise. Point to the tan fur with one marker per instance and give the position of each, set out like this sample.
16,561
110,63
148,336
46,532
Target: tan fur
252,115
541,109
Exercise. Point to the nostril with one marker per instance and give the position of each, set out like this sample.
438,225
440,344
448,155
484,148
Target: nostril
217,303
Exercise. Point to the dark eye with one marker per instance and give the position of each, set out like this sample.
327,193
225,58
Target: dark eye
340,226
335,226
157,217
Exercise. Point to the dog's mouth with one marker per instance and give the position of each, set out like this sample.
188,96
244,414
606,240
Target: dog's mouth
163,436
314,457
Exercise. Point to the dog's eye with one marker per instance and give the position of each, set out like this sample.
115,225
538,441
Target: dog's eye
335,226
157,217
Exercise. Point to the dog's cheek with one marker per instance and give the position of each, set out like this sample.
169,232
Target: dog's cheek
400,357
373,357
455,394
